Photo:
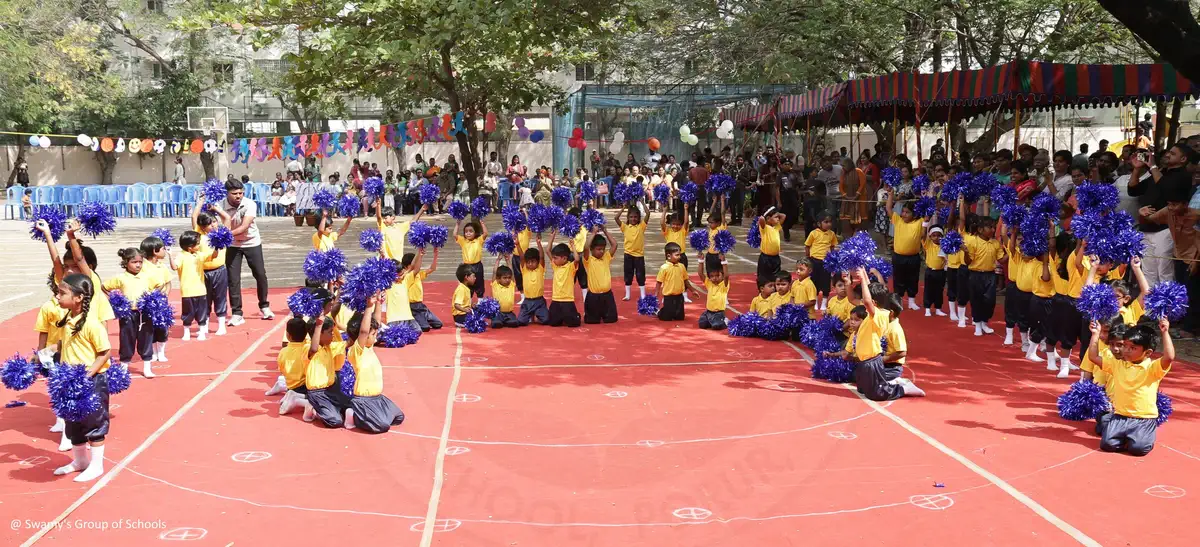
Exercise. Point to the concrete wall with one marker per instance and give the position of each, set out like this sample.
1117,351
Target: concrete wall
77,165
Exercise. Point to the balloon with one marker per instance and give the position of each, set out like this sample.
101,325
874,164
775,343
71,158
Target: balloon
44,142
197,146
106,144
523,132
615,147
489,122
684,130
577,132
618,137
519,122
83,140
727,125
536,136
653,144
95,145
692,140
33,141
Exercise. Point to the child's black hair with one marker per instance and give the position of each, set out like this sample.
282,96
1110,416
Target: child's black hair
1123,286
783,276
804,261
533,254
824,216
81,285
985,222
151,246
598,241
859,311
474,224
676,218
462,272
297,329
972,222
204,220
327,324
882,297
634,210
407,260
764,282
1142,336
503,271
313,283
354,325
1064,245
672,248
189,240
128,254
387,212
576,211
563,251
89,256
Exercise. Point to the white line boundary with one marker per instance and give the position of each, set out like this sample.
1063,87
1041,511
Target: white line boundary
116,470
439,464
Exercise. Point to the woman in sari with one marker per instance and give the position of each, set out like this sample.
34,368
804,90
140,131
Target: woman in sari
853,186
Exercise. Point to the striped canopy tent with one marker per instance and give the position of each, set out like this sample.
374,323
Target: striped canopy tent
943,96
822,107
750,117
1046,85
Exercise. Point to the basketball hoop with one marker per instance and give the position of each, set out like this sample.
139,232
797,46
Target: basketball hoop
208,119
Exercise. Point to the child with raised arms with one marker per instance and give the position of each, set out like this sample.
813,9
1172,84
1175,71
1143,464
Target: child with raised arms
906,250
716,287
83,340
562,310
158,267
504,290
216,278
674,230
1132,309
370,410
533,289
521,240
1017,293
464,296
394,233
470,239
78,259
817,246
982,254
416,295
1133,388
1064,316
672,279
716,223
326,400
581,247
399,309
325,238
133,338
768,250
599,304
634,247
871,374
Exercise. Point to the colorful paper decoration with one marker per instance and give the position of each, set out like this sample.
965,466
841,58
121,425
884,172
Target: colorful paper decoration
489,122
135,145
106,144
458,123
120,146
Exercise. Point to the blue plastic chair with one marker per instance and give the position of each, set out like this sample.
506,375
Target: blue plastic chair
174,193
57,194
135,199
114,199
188,198
156,199
72,198
12,203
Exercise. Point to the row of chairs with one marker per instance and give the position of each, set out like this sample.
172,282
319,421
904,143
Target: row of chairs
139,200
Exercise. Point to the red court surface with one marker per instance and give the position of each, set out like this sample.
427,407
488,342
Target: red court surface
638,433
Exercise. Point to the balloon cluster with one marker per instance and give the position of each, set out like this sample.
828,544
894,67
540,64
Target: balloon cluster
685,135
576,141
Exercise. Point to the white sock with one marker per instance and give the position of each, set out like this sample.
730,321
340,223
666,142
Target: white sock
162,352
585,293
221,326
1052,360
348,420
64,444
147,369
1031,354
95,467
187,333
309,413
927,312
686,299
953,311
626,292
59,425
287,404
203,328
279,387
642,291
202,334
1008,331
79,461
938,312
912,303
962,321
985,327
978,328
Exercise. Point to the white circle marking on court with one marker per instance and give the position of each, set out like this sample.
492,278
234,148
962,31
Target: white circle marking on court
251,456
456,450
843,435
1165,491
935,502
439,525
183,534
692,513
616,394
467,398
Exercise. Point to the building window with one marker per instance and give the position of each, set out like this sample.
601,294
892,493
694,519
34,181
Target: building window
690,67
272,66
156,70
222,73
155,6
585,72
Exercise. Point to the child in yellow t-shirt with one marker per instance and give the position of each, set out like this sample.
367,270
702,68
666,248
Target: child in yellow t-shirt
325,238
769,234
1112,333
635,248
802,290
190,265
817,246
871,374
1133,388
533,286
464,296
839,302
853,321
83,340
674,230
982,254
370,410
326,399
935,272
783,290
672,280
470,239
906,251
399,308
599,305
293,365
566,259
716,286
761,304
416,293
504,290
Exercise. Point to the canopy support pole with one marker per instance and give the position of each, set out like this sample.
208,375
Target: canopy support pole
1053,130
896,122
1017,129
808,137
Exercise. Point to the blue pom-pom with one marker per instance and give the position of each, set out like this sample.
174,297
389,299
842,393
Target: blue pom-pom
720,184
920,184
570,226
724,242
480,208
1087,224
165,235
662,193
1167,299
1084,400
500,244
881,265
1117,247
372,276
1046,206
634,191
538,222
418,234
1014,215
978,186
347,378
373,187
438,236
925,207
698,239
429,194
587,191
476,322
619,193
1164,408
324,199
371,240
855,252
833,369
118,378
1097,197
1003,197
754,236
302,303
956,186
513,217
592,218
892,177
56,219
821,335
121,306
1035,236
791,316
349,206
687,192
952,242
488,307
397,336
943,214
95,218
772,330
72,394
647,305
19,373
220,237
746,325
325,266
158,308
561,197
458,210
1098,302
213,190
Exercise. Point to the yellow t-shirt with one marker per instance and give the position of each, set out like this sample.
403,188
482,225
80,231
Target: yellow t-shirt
803,292
325,242
564,283
820,241
678,237
717,292
1017,264
522,239
599,272
896,340
132,286
867,343
1133,387
982,253
156,276
1112,275
472,249
839,307
462,297
1033,270
761,306
907,241
712,234
954,261
82,348
323,367
770,239
779,299
671,277
47,321
100,306
635,240
1076,277
368,372
1061,284
293,363
505,296
416,289
210,263
393,238
191,274
1086,364
933,256
583,242
1132,313
533,282
340,320
397,300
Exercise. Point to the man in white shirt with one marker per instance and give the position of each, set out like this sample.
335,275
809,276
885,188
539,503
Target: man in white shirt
294,167
179,171
246,245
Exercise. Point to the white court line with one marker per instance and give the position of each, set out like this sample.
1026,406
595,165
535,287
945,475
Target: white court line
116,470
1009,489
15,297
514,367
1184,454
439,464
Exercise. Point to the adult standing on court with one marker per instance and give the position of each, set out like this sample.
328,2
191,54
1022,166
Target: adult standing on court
248,245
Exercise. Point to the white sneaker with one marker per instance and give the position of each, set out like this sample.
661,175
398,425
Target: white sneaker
962,322
1032,355
986,328
236,320
202,335
687,300
1064,372
938,312
59,425
928,313
267,314
187,334
913,305
1042,346
978,330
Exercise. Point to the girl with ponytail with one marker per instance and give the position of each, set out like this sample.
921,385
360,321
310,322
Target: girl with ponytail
84,341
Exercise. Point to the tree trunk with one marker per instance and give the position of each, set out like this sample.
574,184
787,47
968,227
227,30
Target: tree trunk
985,142
108,163
467,159
12,175
1168,26
1176,106
208,161
1160,128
